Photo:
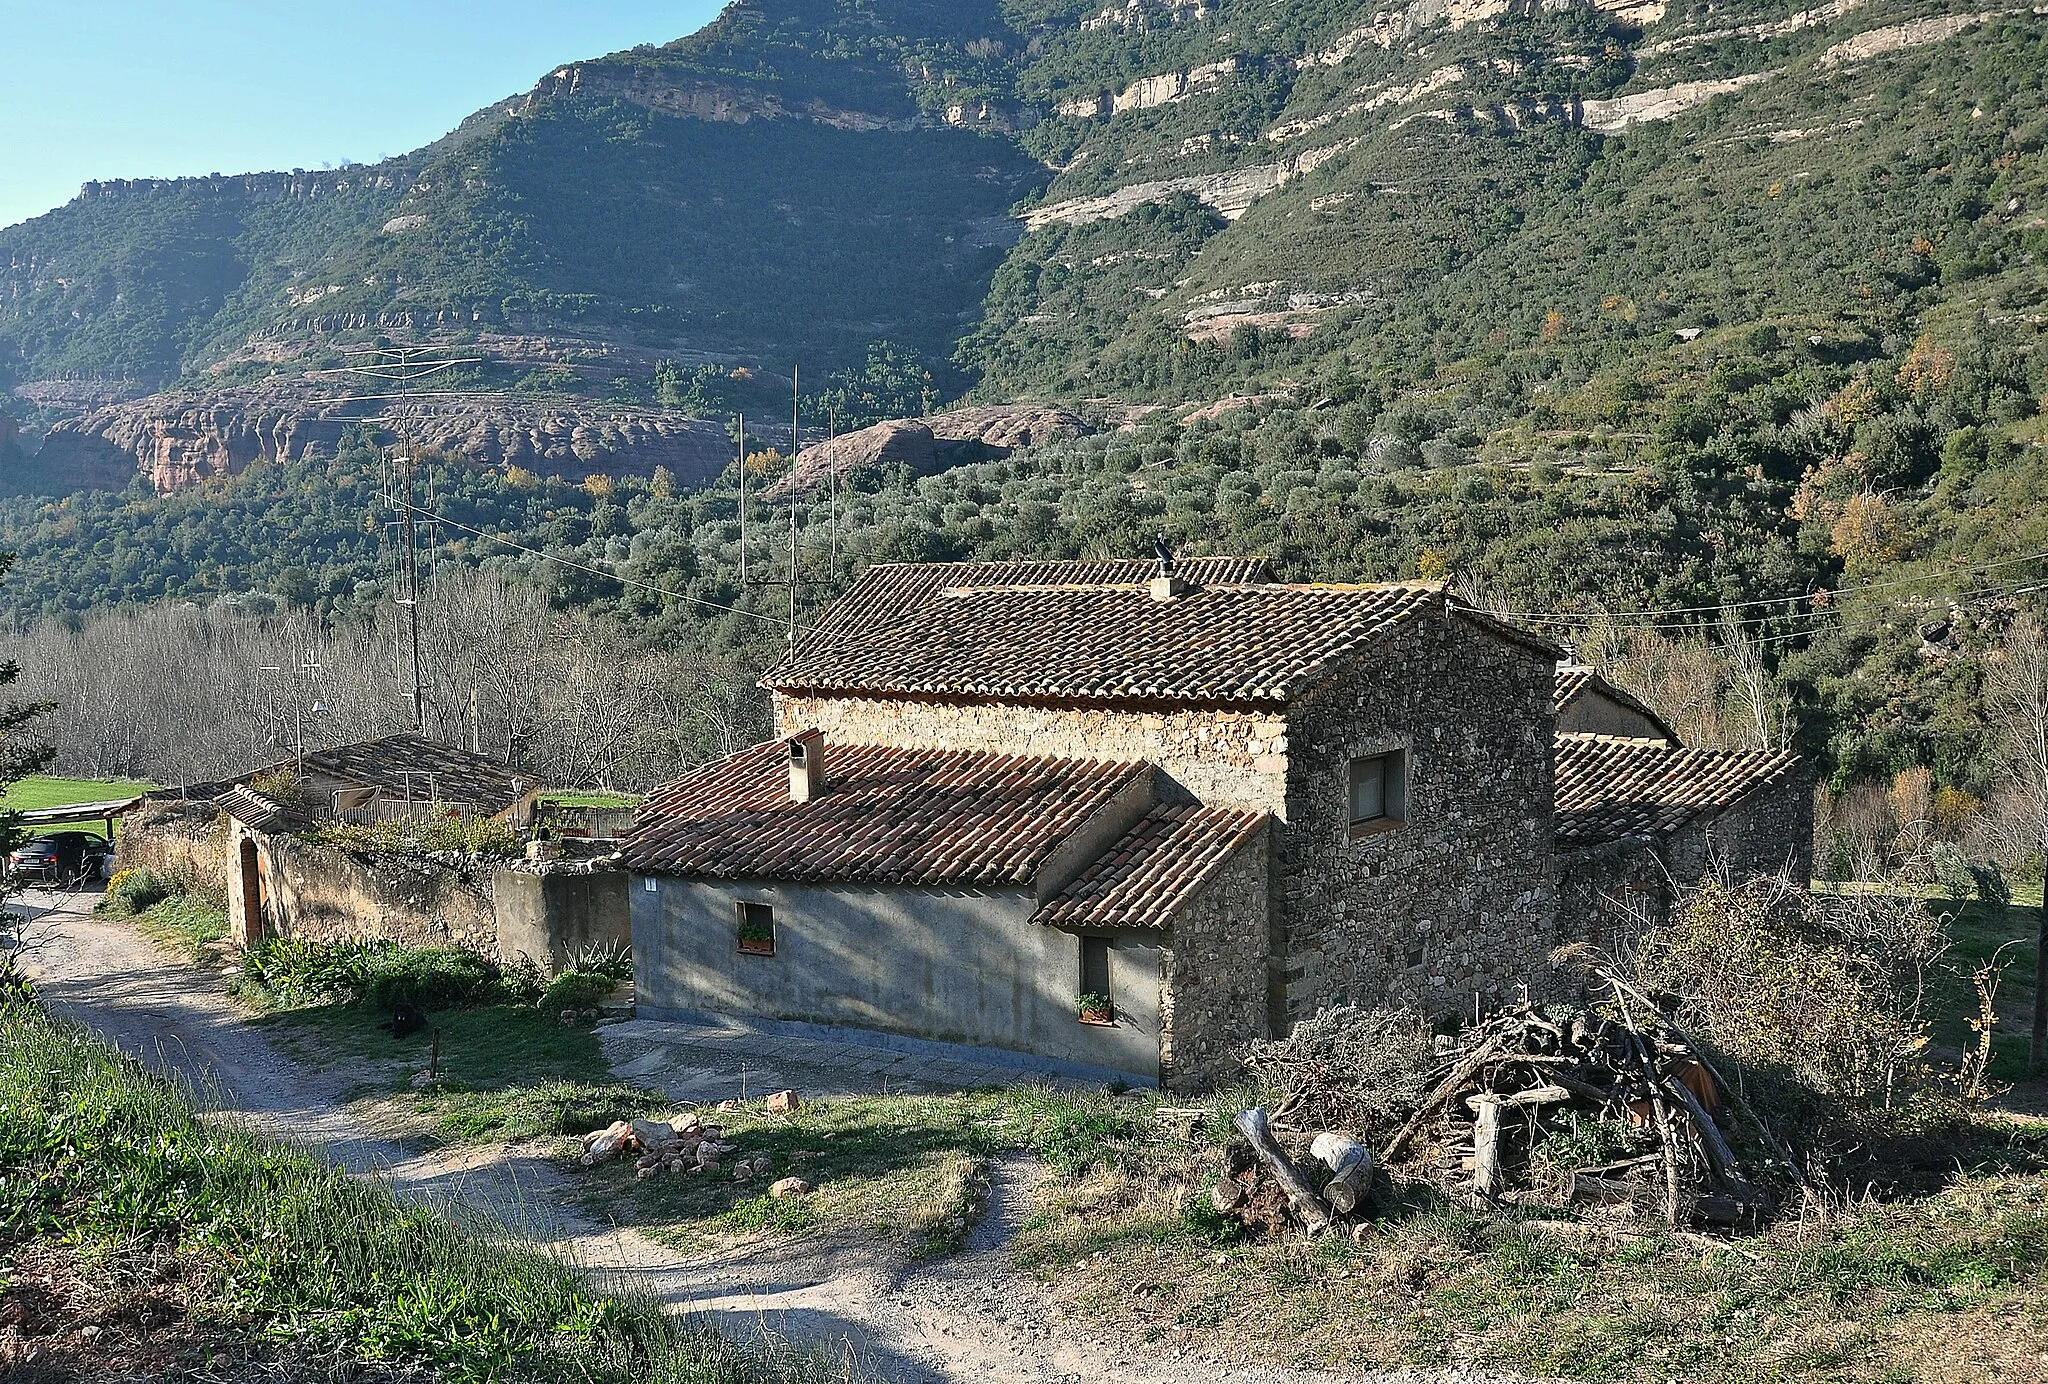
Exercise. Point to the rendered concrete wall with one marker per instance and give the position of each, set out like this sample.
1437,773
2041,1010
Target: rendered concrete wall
952,967
186,841
552,915
321,893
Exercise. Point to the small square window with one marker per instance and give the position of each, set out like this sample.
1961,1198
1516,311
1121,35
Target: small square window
757,929
1379,792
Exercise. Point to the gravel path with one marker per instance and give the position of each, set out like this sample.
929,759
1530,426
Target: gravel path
968,1318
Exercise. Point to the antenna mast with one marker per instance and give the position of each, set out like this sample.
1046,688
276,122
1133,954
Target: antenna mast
409,559
795,575
743,500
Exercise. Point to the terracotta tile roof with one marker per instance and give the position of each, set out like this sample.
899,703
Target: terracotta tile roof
1092,632
1609,788
249,807
1575,681
887,816
452,775
1147,876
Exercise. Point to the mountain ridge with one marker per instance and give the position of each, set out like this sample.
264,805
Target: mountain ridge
1157,201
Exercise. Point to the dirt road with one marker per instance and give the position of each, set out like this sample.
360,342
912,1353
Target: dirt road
967,1318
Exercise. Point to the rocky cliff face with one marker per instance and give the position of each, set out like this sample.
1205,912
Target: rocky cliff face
182,439
925,445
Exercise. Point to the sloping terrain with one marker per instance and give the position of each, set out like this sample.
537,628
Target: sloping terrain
1208,195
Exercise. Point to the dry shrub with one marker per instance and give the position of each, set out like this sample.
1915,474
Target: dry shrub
1346,1068
1818,998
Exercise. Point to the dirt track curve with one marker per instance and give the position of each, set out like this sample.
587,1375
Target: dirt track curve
968,1318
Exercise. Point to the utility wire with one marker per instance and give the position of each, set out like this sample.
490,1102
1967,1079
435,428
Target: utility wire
1565,617
594,571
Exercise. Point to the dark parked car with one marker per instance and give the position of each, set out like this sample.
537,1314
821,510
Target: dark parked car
63,857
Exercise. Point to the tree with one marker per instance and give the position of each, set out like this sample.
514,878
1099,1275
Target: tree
21,754
2016,702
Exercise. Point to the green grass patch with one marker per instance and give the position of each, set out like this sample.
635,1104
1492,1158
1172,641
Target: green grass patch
1897,1290
41,791
910,1170
298,1259
507,1071
186,924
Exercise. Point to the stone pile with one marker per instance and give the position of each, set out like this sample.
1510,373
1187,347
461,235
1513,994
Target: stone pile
684,1146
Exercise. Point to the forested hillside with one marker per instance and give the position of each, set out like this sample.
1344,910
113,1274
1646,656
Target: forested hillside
1730,314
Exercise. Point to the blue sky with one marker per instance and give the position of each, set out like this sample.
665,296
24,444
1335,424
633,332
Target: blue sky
166,88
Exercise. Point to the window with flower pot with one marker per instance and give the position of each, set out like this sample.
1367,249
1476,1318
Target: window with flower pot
1093,1003
757,929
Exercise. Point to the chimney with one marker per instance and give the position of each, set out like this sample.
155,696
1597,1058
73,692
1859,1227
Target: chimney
1166,584
806,766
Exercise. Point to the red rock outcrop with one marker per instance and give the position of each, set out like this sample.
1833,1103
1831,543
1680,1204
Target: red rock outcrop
931,444
177,440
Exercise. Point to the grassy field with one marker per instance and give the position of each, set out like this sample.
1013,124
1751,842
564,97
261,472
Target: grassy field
132,1234
41,791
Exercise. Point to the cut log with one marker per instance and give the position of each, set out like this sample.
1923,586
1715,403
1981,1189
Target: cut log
1487,1178
1351,1164
1535,1095
1258,1131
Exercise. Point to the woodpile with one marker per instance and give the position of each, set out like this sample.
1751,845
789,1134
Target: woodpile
1562,1106
1524,1077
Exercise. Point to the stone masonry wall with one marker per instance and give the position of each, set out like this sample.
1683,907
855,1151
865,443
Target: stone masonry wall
1607,895
1463,896
1769,831
1220,757
320,893
1212,984
185,841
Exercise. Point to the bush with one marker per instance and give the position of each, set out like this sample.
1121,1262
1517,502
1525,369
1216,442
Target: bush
576,989
1820,998
383,975
134,891
478,837
292,971
425,979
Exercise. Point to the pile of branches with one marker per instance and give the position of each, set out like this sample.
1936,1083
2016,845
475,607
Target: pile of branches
1521,1099
1613,1106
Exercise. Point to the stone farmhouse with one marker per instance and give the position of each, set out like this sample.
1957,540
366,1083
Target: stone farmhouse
1120,817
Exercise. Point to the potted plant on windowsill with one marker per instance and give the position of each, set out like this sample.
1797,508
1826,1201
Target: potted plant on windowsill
1095,1009
757,939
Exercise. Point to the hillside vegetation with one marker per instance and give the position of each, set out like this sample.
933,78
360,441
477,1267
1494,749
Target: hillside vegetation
1679,308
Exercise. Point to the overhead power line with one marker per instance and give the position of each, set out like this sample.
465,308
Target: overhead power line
632,582
1829,597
